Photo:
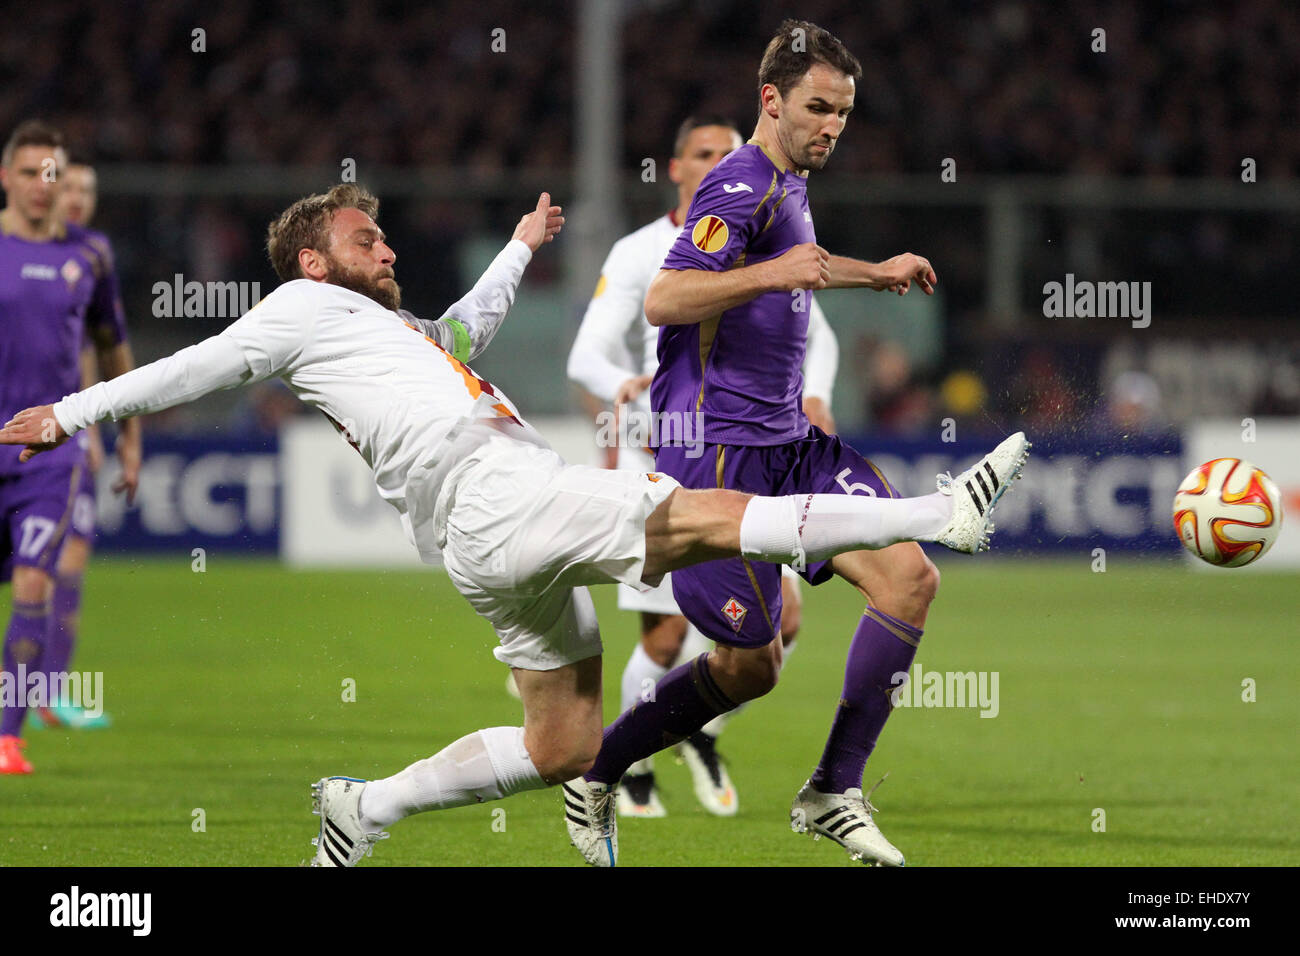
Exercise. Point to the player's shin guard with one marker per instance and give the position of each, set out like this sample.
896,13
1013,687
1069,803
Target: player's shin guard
23,652
796,529
486,765
683,702
882,649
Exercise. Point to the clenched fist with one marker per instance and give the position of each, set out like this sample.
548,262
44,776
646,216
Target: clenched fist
805,266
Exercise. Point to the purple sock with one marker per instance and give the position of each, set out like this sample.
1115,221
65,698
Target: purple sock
685,699
24,646
63,623
882,647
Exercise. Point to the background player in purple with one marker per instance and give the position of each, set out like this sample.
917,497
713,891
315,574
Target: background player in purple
56,286
77,199
732,298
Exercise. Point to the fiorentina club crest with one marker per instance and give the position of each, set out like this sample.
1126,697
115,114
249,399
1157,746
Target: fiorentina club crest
735,612
71,272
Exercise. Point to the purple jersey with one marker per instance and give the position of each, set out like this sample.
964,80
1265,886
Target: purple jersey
52,294
741,370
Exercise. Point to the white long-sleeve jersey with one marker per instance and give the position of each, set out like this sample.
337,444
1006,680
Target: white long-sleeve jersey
615,341
391,383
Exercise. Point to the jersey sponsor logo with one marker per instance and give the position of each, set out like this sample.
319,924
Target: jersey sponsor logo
653,477
738,188
600,287
735,612
710,234
36,270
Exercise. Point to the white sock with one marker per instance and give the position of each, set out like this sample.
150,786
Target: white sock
715,726
796,529
486,765
639,677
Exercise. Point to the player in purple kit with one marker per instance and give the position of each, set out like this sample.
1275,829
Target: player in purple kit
76,204
57,286
732,298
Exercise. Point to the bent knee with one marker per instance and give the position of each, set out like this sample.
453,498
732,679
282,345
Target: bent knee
662,636
746,674
911,586
925,587
560,757
558,765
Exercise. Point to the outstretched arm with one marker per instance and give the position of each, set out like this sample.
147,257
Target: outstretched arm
892,275
469,324
192,372
263,343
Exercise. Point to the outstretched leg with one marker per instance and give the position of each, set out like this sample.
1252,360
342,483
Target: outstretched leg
560,738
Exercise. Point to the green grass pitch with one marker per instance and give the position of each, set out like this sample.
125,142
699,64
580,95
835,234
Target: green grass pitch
1119,691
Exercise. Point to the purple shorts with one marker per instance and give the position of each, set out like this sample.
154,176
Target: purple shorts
36,513
736,601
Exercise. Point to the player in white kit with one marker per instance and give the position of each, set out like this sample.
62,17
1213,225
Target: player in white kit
520,532
614,357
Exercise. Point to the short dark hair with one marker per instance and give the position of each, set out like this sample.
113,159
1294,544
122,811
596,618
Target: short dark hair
306,225
30,133
692,123
799,44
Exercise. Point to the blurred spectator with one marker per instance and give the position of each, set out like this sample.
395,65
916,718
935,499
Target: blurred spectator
1132,404
1042,398
1181,89
895,403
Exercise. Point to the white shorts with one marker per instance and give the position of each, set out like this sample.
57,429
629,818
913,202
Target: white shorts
526,532
658,600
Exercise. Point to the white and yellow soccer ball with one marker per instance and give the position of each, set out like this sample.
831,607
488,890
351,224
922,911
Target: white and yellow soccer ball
1227,512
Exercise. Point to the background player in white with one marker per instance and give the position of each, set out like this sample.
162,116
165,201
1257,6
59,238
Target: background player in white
520,532
614,357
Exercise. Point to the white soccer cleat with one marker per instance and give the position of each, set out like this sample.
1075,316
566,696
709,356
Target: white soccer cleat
639,797
589,815
713,787
846,819
342,840
974,493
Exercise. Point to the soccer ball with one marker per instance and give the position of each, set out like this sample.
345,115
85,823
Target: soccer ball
1227,512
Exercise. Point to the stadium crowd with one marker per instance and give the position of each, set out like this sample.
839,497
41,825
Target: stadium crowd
1181,90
